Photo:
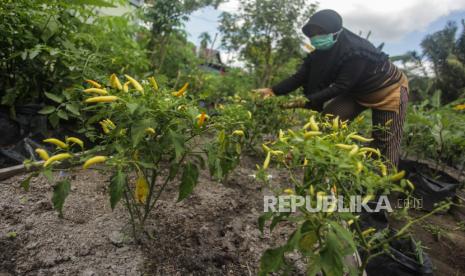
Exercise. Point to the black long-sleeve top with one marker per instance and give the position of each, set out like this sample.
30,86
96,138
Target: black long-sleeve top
356,76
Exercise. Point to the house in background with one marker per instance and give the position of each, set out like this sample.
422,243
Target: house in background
211,60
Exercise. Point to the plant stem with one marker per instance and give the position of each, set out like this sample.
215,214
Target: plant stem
131,215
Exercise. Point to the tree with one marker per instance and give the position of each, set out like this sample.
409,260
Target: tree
448,58
205,38
166,17
266,34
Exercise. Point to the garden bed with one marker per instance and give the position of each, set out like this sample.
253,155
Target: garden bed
213,232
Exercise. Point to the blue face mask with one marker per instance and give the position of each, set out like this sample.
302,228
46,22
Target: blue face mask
324,42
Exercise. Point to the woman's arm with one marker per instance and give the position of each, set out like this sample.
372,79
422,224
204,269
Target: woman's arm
348,76
292,83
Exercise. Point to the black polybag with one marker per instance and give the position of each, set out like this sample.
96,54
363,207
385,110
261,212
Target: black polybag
430,190
403,258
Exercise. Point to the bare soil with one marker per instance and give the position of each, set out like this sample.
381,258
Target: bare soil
213,232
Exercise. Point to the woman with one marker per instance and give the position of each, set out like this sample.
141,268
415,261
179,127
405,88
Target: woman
354,75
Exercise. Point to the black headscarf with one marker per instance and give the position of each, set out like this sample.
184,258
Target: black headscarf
328,20
325,64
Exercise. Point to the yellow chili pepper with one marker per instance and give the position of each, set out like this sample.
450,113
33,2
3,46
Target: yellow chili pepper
267,160
410,184
107,125
372,150
104,126
181,91
249,114
110,123
345,146
96,91
313,124
265,148
154,83
359,167
56,142
459,107
398,176
368,231
94,160
291,132
277,152
126,87
354,150
150,131
135,84
305,162
43,154
289,191
115,83
336,123
238,132
142,189
55,158
383,169
309,134
360,138
93,83
75,141
102,99
311,190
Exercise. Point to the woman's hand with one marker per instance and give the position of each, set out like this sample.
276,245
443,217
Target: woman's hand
264,92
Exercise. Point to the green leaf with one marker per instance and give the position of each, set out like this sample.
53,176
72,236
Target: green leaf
54,119
54,97
138,130
271,260
46,110
132,107
436,99
25,183
189,179
178,143
48,174
34,52
345,235
332,255
262,219
293,240
117,184
62,114
60,192
73,108
174,168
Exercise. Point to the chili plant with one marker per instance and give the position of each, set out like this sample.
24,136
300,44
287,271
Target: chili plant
327,158
146,137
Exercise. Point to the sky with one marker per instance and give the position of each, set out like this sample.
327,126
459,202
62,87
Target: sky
400,24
